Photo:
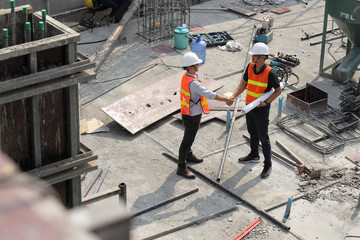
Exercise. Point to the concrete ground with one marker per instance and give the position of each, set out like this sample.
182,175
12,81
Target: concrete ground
323,209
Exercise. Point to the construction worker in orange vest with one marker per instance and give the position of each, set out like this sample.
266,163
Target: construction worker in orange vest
258,79
193,100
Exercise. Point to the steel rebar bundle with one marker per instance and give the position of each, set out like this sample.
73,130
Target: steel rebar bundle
325,144
161,17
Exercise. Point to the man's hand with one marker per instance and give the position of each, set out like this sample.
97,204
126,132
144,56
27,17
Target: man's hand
229,101
263,104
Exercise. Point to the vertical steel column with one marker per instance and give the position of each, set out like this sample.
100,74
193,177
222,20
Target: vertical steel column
35,118
322,54
72,96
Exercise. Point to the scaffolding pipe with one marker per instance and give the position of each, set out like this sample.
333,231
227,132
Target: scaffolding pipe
234,113
164,203
243,201
122,192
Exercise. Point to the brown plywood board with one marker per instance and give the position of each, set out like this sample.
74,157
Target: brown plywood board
281,10
355,158
239,10
146,106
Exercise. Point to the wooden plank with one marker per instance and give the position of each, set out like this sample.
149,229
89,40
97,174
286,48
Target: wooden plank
239,10
146,106
43,76
60,83
62,165
281,10
355,158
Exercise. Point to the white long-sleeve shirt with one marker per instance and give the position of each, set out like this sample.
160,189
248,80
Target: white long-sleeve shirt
197,90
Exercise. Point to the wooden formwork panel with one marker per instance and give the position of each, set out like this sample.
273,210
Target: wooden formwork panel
16,132
53,127
146,106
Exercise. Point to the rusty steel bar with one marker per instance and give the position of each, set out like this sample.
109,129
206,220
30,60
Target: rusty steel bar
248,229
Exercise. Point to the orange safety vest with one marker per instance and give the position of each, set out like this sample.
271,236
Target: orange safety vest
256,84
185,96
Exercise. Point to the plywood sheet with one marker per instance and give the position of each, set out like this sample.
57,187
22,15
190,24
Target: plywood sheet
146,106
239,10
355,158
281,10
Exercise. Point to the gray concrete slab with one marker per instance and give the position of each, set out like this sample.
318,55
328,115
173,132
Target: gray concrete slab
137,159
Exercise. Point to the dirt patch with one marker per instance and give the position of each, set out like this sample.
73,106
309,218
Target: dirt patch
345,187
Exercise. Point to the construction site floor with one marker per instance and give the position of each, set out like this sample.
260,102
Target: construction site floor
323,209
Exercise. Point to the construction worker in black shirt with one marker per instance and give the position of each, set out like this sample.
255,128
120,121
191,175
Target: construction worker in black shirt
258,79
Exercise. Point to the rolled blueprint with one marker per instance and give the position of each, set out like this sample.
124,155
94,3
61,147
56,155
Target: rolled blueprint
256,102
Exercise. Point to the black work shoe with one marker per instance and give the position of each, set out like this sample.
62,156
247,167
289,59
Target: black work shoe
249,158
192,158
266,172
184,172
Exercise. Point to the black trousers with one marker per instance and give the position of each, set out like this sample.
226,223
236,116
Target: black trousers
191,124
257,121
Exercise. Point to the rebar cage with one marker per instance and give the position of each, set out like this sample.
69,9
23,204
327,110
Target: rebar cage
158,18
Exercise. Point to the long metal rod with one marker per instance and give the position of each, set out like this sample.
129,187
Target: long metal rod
164,203
243,201
234,113
277,155
288,152
86,191
191,223
101,180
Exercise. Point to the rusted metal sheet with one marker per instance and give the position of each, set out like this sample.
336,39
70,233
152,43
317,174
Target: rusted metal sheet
308,99
137,111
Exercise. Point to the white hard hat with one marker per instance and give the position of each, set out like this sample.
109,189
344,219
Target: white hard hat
190,59
259,49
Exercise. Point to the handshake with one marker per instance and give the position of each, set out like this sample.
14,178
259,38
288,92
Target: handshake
229,100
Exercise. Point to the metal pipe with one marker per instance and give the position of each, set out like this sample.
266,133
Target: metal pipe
13,22
288,152
164,203
86,191
277,155
327,40
48,6
243,201
68,12
322,53
122,192
191,223
101,180
234,113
